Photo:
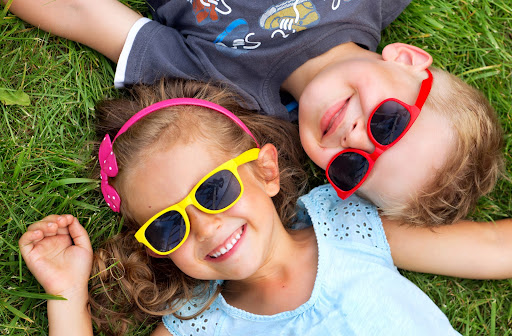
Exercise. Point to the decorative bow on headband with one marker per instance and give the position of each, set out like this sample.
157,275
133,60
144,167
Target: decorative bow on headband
108,168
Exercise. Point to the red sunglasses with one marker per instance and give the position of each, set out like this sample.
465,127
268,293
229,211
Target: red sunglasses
387,124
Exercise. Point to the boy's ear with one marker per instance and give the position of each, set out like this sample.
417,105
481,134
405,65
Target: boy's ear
269,169
408,55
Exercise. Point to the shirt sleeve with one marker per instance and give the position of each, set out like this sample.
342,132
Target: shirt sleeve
153,51
346,222
123,58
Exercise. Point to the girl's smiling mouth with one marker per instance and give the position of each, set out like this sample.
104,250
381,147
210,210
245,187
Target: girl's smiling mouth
224,250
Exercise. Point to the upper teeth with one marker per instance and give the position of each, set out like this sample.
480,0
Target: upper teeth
226,247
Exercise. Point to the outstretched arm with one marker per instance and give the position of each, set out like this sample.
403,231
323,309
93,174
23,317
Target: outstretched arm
58,252
100,24
476,250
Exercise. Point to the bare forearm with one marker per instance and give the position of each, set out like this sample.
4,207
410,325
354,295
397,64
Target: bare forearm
476,250
70,317
489,251
100,24
51,16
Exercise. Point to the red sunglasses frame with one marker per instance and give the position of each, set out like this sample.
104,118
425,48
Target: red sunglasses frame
414,111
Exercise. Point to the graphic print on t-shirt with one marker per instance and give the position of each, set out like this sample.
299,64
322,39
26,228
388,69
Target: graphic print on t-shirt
235,39
241,35
289,17
207,10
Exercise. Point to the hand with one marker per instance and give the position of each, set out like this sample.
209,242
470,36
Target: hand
57,250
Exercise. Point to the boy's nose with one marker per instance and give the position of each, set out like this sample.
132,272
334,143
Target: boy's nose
202,224
358,138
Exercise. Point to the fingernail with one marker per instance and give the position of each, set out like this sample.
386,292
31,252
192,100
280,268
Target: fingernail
49,224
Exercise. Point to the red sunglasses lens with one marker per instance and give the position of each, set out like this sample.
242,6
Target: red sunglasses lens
347,170
389,122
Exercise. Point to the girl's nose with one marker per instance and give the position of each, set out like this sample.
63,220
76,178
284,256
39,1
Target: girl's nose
358,138
202,225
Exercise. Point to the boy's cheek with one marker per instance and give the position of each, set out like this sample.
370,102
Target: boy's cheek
320,156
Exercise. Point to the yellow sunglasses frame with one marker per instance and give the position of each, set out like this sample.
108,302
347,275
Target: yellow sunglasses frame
232,166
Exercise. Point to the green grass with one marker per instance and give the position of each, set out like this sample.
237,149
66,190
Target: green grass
45,146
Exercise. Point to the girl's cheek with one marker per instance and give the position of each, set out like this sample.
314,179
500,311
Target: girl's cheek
182,256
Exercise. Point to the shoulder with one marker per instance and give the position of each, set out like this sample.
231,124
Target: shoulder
343,222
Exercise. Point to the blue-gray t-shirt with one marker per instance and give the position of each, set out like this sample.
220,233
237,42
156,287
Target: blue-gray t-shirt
252,46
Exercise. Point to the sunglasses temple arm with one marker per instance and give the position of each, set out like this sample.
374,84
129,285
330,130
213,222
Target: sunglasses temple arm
426,85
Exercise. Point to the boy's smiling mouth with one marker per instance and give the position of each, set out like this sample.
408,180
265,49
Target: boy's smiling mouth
228,244
333,117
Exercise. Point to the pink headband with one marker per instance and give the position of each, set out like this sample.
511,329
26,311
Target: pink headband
107,158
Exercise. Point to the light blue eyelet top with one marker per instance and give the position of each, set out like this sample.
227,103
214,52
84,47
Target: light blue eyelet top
358,290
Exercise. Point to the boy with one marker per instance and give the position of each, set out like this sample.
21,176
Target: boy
322,54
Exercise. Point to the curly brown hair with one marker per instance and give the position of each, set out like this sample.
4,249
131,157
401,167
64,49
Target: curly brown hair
474,165
129,286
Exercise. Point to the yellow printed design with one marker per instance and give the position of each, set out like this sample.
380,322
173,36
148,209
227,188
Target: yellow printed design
291,15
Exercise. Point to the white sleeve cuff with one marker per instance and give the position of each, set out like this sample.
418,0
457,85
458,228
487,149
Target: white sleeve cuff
123,58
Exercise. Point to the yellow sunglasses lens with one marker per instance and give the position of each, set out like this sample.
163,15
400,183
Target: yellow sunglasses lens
219,191
167,231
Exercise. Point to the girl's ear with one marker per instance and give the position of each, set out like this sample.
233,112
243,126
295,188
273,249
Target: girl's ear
407,54
269,169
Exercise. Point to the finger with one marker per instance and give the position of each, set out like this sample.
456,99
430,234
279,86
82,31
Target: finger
53,224
79,235
48,219
51,218
64,221
60,226
27,241
47,228
63,231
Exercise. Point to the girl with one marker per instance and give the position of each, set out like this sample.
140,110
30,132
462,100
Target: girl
210,200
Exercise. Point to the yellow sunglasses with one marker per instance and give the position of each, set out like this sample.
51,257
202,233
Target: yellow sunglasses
218,191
